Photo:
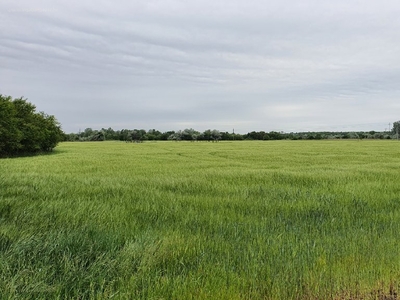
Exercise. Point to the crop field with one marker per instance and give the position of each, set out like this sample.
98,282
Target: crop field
182,220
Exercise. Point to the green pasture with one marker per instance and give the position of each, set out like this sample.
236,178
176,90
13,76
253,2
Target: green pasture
200,220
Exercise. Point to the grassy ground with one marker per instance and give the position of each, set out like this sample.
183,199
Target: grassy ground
177,220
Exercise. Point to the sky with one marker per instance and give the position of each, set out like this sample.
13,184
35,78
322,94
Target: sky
309,65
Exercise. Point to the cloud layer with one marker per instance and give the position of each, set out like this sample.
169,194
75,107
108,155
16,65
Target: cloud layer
171,64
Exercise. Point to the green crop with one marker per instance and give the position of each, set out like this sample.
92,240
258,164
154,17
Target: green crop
199,220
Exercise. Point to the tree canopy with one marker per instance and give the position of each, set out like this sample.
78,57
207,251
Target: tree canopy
25,131
396,129
190,134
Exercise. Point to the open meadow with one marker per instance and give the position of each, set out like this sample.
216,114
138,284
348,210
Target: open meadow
182,220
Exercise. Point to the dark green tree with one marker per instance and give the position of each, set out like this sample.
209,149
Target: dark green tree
137,135
215,135
207,135
10,135
396,129
51,132
23,130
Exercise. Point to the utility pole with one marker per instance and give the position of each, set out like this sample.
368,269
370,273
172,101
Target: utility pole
233,133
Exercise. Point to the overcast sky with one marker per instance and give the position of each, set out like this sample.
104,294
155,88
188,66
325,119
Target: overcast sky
309,65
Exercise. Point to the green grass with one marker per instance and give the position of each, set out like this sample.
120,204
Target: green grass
177,220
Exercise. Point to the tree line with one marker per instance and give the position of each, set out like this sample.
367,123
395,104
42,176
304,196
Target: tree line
25,131
189,134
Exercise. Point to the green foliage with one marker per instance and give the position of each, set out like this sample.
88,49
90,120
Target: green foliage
396,129
24,131
228,220
10,135
189,134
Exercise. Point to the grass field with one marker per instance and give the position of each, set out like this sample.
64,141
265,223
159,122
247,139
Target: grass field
181,220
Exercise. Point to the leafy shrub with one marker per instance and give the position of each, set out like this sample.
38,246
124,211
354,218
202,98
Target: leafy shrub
23,130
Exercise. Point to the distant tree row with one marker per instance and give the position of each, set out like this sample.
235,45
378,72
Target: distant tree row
189,134
25,131
139,135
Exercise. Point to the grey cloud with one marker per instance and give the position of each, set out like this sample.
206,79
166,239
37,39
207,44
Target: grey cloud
264,65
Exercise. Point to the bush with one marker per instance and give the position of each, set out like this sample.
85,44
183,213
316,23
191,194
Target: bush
23,130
